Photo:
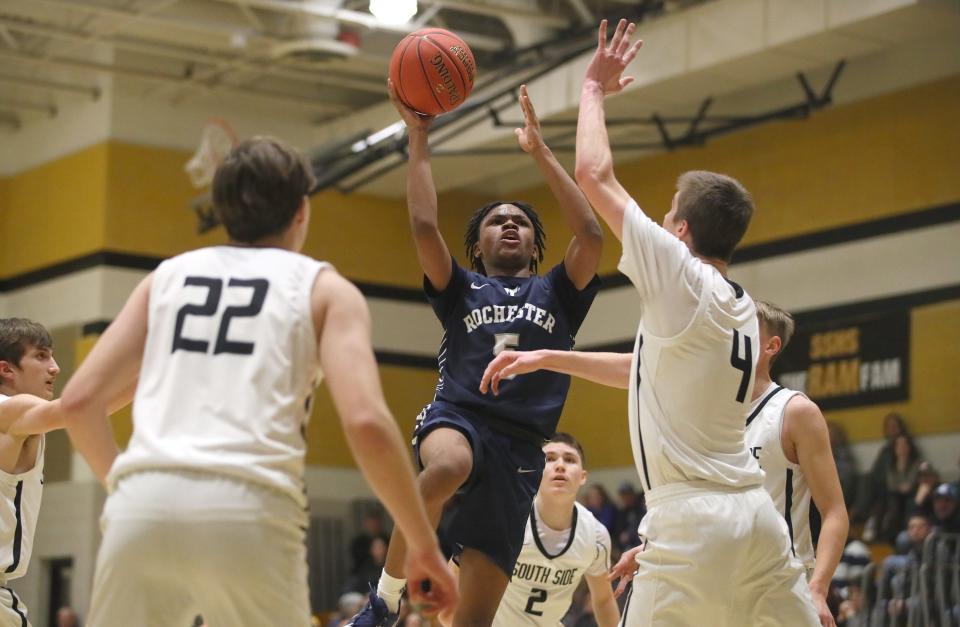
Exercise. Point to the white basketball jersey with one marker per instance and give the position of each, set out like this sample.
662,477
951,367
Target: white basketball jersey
18,516
229,367
693,363
784,481
544,579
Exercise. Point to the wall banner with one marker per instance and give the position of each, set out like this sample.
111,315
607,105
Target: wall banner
849,362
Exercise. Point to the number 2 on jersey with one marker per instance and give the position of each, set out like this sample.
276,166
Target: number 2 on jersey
209,309
537,595
743,364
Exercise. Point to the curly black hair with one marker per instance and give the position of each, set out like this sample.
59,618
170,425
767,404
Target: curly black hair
472,234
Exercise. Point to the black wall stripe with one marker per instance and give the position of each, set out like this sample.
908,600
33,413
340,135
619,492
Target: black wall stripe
18,533
15,606
389,358
874,306
756,412
923,218
788,508
911,220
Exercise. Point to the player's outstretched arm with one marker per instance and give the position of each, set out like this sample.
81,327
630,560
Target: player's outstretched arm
105,381
583,254
432,251
808,431
610,369
605,609
594,170
25,414
346,356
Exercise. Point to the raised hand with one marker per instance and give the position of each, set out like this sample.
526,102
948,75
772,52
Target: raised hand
609,61
431,586
411,118
530,137
624,570
508,364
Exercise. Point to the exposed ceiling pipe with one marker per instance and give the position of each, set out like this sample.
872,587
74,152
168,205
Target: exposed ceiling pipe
161,77
36,83
345,16
196,26
25,105
503,10
132,18
356,18
476,40
191,55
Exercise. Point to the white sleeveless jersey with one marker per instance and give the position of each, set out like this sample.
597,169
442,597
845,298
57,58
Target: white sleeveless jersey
541,589
693,363
784,481
229,367
18,516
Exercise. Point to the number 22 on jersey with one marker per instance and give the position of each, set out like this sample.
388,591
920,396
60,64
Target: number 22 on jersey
214,287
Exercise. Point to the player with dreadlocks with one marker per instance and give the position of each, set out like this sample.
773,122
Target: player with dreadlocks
486,449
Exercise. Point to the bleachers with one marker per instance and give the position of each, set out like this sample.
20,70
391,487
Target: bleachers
905,592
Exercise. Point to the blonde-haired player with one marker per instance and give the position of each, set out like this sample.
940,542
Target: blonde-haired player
788,436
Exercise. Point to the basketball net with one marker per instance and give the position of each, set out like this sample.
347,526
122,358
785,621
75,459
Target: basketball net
216,141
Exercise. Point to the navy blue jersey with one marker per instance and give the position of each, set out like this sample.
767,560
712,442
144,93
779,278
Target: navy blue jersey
482,315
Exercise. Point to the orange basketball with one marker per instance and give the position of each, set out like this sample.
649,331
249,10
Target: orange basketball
432,70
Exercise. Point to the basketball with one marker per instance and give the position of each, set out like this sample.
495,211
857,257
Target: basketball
433,71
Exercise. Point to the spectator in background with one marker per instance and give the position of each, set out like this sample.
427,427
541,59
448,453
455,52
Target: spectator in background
946,513
896,572
875,482
632,508
901,486
371,527
909,544
927,481
846,464
598,502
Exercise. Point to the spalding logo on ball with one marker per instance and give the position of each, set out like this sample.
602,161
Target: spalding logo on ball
433,71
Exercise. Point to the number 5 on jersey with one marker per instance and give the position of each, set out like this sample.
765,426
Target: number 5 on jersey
209,308
504,341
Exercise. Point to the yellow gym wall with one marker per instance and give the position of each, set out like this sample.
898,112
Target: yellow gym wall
879,157
884,156
54,212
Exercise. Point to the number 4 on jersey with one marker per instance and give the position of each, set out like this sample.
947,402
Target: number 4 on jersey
743,364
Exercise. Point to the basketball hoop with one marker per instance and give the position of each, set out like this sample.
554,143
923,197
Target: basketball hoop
216,141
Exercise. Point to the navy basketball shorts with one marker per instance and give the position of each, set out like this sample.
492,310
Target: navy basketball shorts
489,513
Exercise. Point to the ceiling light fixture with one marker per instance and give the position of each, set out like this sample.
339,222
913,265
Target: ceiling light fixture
393,11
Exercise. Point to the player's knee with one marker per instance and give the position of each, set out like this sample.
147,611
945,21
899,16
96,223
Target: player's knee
444,476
